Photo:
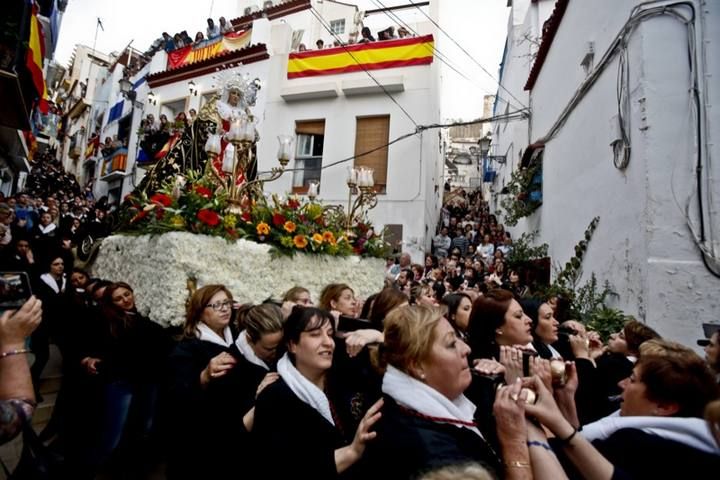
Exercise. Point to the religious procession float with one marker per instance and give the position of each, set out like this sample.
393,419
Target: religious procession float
200,216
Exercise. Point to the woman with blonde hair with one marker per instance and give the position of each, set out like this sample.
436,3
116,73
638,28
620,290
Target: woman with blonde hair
426,420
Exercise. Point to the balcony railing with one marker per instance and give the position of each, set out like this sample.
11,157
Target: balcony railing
114,165
402,52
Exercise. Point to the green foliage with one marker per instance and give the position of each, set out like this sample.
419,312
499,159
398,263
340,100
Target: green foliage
520,203
588,302
523,250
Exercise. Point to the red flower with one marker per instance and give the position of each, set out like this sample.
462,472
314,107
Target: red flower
302,218
140,215
208,217
159,213
320,221
203,191
293,203
162,199
246,216
278,219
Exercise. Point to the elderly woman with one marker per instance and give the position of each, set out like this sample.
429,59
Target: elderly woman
299,415
209,398
660,432
427,421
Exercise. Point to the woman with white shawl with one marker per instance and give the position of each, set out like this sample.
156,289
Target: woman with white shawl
299,424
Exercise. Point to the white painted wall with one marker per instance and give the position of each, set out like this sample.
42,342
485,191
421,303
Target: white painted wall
411,198
642,244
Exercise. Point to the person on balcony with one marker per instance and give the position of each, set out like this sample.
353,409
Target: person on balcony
225,27
320,44
199,37
213,31
366,35
169,43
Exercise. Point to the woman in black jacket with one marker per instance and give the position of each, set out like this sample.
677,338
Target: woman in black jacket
131,354
297,422
427,422
213,384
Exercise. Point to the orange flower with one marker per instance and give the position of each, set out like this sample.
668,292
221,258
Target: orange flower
317,238
300,241
263,228
289,226
329,237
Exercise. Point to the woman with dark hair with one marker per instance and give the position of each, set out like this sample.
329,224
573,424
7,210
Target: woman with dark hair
299,416
386,301
544,327
496,320
130,364
459,306
216,382
431,263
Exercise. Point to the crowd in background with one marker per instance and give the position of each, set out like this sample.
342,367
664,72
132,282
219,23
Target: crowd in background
365,35
455,369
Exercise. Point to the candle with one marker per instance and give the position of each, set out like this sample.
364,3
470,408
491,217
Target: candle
228,158
313,190
285,147
352,178
370,178
212,145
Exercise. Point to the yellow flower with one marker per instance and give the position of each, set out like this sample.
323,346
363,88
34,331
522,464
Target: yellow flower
300,241
229,221
263,228
289,226
329,237
177,221
317,238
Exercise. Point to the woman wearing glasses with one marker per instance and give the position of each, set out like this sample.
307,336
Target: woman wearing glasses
208,404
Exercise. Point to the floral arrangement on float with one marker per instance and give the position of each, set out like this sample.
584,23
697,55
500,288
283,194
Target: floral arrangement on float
209,185
289,225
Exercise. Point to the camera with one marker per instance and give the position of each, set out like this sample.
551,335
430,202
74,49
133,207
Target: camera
14,290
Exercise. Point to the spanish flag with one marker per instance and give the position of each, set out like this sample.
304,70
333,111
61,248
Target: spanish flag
404,52
35,56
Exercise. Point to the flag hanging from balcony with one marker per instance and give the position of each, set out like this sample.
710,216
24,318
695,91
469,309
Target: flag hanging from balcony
404,52
208,49
35,56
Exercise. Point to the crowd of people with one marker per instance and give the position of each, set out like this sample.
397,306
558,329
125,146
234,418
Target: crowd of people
455,369
365,35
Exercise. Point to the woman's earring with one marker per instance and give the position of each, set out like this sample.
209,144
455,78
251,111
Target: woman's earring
498,331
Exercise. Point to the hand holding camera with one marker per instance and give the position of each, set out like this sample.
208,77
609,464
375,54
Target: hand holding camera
17,325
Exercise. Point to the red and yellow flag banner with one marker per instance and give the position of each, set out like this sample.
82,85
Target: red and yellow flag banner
404,52
208,49
35,56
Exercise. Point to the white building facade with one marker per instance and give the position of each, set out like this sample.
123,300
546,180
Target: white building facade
621,135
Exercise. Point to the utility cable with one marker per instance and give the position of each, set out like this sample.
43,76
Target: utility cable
342,44
500,85
440,56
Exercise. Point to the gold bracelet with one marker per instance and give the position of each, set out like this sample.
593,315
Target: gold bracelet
517,464
15,352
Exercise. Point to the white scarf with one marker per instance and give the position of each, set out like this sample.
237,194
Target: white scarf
244,346
416,395
47,229
304,389
52,283
693,432
206,334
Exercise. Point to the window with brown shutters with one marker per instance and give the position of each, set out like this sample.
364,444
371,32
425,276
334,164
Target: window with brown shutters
372,135
308,153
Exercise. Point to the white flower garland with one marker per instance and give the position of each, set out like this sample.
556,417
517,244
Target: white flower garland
158,268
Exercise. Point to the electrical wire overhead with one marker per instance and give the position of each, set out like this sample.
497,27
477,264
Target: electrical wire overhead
467,53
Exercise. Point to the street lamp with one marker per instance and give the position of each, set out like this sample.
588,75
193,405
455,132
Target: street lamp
484,144
126,88
193,88
152,100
